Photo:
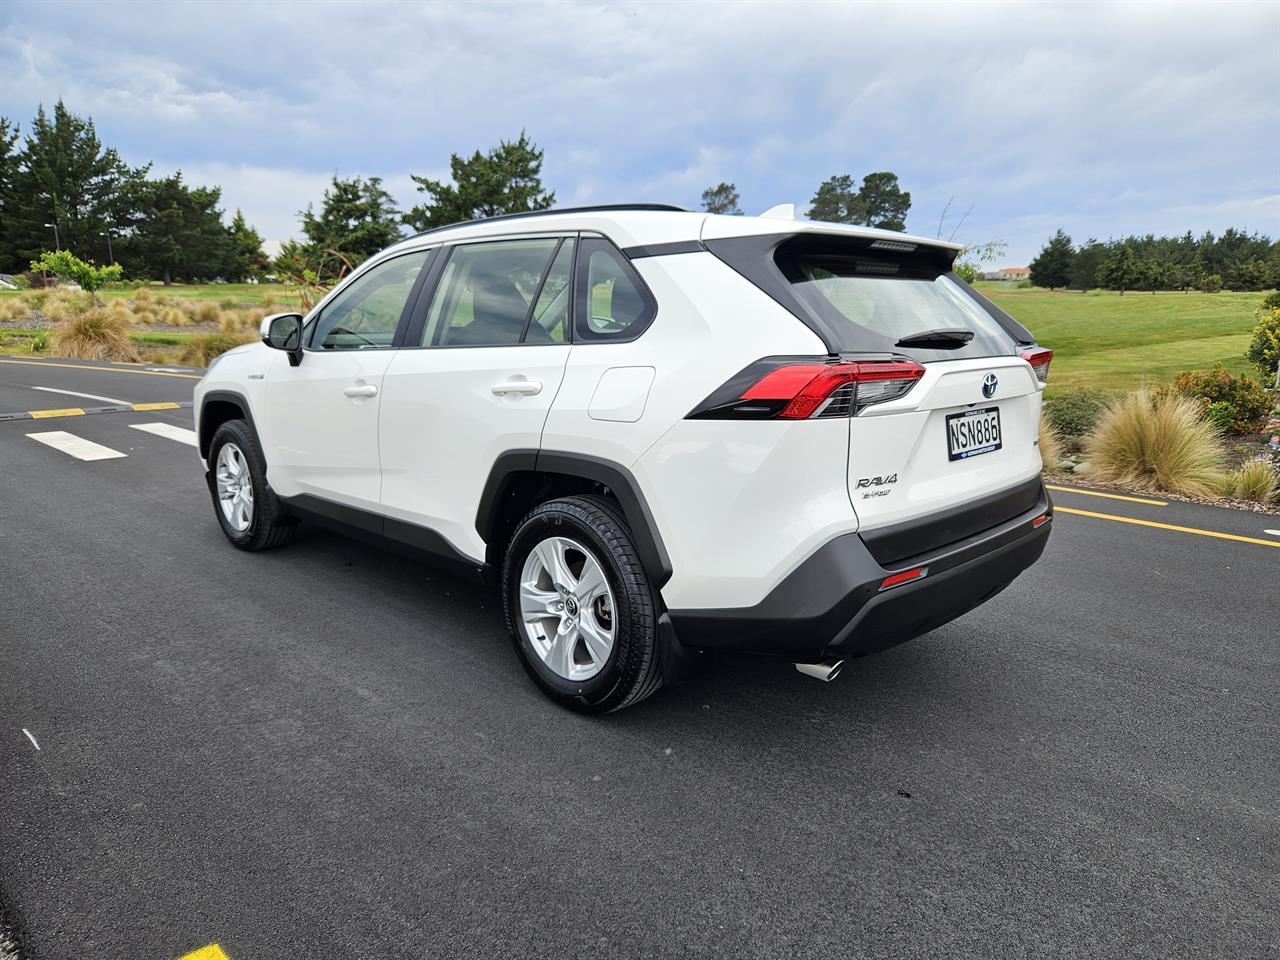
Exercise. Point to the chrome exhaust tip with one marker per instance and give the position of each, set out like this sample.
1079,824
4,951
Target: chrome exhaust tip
826,671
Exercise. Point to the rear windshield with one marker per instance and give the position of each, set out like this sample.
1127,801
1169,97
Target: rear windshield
871,303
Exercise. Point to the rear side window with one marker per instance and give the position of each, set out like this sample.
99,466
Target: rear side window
613,302
487,292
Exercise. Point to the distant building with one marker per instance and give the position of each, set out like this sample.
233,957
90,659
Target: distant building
1009,273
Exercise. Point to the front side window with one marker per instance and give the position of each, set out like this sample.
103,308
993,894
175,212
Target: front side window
486,294
613,303
365,314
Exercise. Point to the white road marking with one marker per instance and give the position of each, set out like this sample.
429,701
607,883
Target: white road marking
169,431
74,446
1274,533
170,369
73,393
31,737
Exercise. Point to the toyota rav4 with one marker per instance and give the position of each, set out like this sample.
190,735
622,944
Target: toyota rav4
658,432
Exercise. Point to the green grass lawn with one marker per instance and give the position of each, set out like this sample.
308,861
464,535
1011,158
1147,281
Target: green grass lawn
1106,341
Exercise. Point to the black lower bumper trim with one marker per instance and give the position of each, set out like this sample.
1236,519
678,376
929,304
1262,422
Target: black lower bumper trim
833,605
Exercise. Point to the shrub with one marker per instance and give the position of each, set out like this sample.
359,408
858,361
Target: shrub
1074,412
1210,283
64,305
1264,348
40,342
1156,442
142,295
205,312
1270,302
65,265
1246,402
1256,480
95,334
1050,443
13,308
203,347
171,317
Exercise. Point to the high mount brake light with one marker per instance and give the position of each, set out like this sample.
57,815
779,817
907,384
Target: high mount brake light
803,389
1039,359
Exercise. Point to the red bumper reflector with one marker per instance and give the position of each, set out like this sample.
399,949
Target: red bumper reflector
1040,520
906,576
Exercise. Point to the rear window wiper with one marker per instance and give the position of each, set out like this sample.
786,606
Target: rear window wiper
949,339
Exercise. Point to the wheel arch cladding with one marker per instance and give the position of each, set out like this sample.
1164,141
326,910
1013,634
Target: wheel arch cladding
520,479
217,407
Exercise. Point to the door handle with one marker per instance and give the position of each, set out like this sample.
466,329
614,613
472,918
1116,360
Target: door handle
361,390
518,385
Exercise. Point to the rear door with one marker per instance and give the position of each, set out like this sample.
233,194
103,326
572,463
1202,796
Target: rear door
476,377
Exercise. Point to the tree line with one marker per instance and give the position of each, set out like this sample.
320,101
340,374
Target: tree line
1233,260
61,188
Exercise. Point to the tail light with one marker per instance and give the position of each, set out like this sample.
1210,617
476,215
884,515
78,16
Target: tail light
782,388
1039,359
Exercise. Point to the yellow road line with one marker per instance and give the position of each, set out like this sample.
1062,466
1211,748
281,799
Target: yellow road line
81,366
1167,526
64,412
1109,496
170,405
211,952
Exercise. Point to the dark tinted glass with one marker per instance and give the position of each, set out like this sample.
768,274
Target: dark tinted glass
483,295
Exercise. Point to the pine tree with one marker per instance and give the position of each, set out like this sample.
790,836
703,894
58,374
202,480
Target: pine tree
1052,268
879,202
356,220
9,262
722,198
65,177
245,258
507,179
176,232
1120,270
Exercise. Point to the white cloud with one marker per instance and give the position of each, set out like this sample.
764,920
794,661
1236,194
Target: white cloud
1123,117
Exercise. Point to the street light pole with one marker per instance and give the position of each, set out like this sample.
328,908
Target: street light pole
110,256
56,242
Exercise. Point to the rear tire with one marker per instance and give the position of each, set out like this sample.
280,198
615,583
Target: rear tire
590,646
250,515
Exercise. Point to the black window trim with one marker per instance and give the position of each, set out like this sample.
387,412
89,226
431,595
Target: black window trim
406,312
582,333
412,339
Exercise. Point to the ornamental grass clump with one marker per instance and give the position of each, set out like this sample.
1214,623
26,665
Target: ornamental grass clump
98,333
1256,480
1156,442
1051,446
203,347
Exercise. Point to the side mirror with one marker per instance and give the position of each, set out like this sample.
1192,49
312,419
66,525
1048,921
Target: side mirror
283,331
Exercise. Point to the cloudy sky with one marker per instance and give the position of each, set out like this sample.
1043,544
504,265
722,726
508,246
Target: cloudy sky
1102,119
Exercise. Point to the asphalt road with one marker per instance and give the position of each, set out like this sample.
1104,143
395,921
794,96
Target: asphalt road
327,751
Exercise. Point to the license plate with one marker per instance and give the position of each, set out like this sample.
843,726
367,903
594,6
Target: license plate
973,432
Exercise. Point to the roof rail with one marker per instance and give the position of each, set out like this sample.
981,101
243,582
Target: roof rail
669,207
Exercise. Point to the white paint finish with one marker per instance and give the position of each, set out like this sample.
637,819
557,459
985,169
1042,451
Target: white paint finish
908,437
317,439
741,503
621,394
87,396
168,431
74,446
442,428
710,324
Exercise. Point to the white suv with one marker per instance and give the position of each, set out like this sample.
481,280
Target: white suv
661,432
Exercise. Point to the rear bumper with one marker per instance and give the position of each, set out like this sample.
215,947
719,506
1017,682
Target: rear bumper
832,605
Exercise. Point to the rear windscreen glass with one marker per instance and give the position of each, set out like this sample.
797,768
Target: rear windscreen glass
872,303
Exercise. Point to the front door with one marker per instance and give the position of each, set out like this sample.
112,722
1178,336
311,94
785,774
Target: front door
319,422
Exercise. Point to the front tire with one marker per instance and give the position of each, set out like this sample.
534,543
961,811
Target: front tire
248,512
582,614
